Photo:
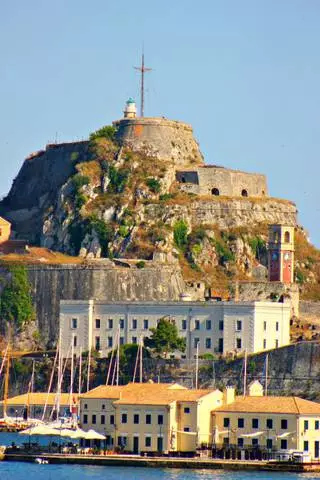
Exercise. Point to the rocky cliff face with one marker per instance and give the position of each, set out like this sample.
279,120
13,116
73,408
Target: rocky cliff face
50,284
117,197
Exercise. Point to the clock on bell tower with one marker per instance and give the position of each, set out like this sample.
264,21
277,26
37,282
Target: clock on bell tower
281,253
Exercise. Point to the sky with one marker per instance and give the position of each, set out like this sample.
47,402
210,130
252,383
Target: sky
244,73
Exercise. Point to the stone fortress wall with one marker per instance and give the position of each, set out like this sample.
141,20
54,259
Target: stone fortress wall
214,180
165,139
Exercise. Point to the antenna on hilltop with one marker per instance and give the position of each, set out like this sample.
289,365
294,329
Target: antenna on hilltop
142,69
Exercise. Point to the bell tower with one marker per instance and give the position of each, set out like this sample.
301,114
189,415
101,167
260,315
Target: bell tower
281,253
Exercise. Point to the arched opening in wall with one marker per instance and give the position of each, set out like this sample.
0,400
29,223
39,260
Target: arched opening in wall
263,192
183,179
287,237
215,191
244,193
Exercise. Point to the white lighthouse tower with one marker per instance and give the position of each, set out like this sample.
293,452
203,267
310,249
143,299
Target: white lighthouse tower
130,110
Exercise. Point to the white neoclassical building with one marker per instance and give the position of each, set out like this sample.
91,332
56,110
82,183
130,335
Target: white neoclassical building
216,327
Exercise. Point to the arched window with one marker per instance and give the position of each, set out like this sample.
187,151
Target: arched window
244,193
215,191
263,192
287,237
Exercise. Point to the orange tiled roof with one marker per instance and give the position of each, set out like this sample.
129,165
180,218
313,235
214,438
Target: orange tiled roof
40,398
146,393
294,405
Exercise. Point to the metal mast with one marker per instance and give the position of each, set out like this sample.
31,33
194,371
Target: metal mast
142,69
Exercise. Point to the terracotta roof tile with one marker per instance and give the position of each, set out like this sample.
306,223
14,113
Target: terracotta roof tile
294,405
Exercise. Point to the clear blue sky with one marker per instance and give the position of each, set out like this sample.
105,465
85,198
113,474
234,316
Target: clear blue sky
245,73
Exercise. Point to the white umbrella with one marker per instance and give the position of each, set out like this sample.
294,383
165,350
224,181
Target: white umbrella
93,435
40,430
66,432
79,433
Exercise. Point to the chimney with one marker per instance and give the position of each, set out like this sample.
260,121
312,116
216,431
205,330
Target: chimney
228,395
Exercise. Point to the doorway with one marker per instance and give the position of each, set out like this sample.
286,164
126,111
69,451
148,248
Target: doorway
160,444
135,444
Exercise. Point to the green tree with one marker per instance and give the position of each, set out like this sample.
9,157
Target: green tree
16,305
105,132
165,338
180,230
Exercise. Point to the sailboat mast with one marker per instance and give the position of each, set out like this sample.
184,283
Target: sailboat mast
118,357
6,385
245,374
266,375
197,364
88,371
141,351
71,375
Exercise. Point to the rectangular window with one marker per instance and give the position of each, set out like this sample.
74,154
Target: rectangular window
75,340
136,418
240,422
111,419
221,325
208,342
148,419
85,418
145,324
110,323
74,323
98,323
97,343
284,444
122,441
316,425
160,419
186,410
195,342
226,422
134,323
86,406
269,423
147,442
94,419
184,324
134,339
121,340
238,343
239,325
255,442
264,343
110,342
306,446
255,423
240,442
103,419
208,324
277,343
277,326
269,443
186,429
306,425
103,407
197,324
265,326
124,418
220,345
121,323
225,440
284,424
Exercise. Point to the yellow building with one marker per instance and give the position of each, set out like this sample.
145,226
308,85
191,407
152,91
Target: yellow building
256,426
5,230
150,417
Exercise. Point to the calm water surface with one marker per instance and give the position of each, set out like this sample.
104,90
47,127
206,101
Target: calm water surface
33,471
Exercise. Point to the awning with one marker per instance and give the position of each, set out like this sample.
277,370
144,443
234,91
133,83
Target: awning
252,435
187,433
285,434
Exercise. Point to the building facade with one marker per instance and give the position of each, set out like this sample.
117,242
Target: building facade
216,327
281,253
246,426
150,417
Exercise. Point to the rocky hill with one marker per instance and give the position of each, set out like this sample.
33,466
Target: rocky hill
117,195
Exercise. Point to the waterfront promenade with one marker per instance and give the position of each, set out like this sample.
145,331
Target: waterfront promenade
166,462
